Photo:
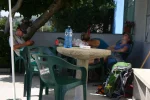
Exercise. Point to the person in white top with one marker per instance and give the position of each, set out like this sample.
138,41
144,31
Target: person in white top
19,42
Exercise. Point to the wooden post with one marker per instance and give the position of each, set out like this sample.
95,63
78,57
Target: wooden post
145,59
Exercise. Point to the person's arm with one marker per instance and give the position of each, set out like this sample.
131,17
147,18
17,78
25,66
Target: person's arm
124,49
18,46
111,47
27,43
94,43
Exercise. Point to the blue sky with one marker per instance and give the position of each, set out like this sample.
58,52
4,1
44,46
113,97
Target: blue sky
119,16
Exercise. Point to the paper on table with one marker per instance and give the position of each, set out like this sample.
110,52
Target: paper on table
85,47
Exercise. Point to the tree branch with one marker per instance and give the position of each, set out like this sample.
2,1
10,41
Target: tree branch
13,10
53,8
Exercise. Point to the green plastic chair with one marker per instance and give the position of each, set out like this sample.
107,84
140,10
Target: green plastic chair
53,49
17,58
30,67
96,66
20,59
69,59
49,77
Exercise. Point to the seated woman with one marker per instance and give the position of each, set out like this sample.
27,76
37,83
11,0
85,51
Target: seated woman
121,47
94,43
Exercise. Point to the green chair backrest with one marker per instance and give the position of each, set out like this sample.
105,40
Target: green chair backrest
28,51
53,50
47,67
61,40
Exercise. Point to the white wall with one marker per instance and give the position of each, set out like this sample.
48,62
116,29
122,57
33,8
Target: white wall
141,48
47,39
140,19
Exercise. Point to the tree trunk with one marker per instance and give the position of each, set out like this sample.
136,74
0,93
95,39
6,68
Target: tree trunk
13,10
54,7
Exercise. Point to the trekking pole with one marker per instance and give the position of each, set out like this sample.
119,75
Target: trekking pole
145,60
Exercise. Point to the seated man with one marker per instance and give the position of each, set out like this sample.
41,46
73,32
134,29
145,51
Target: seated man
94,43
19,41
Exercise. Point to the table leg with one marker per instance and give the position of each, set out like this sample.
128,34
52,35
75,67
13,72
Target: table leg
79,89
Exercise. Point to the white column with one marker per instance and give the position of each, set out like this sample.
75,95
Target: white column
12,52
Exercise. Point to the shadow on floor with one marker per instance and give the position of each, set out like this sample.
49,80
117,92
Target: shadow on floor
7,78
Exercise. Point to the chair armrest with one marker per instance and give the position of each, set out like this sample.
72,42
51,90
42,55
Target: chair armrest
82,69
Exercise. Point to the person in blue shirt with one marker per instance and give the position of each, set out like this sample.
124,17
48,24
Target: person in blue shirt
121,47
94,43
118,50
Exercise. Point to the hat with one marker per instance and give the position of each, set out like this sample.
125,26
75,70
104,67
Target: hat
23,28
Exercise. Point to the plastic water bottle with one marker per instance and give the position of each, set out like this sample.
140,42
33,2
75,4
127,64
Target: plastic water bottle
68,37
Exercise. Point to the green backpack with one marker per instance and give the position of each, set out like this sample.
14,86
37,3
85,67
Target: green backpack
117,69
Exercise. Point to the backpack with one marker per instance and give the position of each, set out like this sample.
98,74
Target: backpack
118,82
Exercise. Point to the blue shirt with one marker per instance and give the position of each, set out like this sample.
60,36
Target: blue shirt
119,46
102,45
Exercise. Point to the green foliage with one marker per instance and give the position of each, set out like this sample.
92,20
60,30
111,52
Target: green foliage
4,48
2,23
4,45
77,13
97,13
35,7
46,28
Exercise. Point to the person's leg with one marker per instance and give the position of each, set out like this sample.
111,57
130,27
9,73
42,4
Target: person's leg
94,61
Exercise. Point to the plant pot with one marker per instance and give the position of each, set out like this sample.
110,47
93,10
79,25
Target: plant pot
127,29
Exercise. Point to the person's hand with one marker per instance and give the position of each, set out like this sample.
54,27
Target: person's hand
28,43
113,50
32,42
109,48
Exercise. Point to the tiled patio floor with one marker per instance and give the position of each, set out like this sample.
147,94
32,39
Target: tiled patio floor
6,90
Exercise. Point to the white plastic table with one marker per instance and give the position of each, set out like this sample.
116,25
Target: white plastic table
141,84
82,56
